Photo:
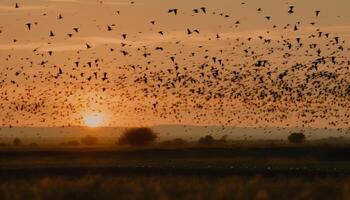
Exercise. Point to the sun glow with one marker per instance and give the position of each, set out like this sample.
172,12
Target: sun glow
93,120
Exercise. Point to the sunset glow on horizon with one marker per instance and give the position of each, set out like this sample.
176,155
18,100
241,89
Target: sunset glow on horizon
93,120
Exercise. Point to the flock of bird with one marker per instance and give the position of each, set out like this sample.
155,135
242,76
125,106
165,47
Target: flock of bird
296,77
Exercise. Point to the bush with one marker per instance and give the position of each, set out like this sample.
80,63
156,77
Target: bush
72,143
17,142
206,140
175,142
209,140
296,138
137,137
33,144
89,140
4,144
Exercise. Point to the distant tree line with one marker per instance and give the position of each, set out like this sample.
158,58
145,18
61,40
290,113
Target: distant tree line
139,137
296,138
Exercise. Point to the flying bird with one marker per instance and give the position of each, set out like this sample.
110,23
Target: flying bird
29,25
317,12
291,10
174,10
51,34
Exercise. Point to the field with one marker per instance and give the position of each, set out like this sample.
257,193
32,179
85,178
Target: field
175,187
231,172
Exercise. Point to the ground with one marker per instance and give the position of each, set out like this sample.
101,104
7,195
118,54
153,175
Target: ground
230,172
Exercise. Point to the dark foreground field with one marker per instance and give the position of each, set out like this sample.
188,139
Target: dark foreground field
285,172
175,187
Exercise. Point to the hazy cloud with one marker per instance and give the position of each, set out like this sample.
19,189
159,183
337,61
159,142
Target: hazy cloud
65,1
21,8
43,46
19,46
63,47
117,3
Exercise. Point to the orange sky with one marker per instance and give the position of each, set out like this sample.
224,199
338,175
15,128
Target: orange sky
27,76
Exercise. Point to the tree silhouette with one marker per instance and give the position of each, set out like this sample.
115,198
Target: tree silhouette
17,142
206,140
137,137
296,138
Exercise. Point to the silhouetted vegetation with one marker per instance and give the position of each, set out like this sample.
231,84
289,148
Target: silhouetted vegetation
73,143
137,137
177,142
296,138
89,140
17,142
70,143
206,140
33,144
4,144
209,140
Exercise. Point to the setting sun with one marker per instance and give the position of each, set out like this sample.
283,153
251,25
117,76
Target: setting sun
93,120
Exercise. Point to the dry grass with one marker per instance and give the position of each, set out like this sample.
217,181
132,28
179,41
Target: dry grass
40,174
175,187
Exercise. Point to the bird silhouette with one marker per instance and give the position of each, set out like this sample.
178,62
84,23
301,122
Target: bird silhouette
291,10
317,12
174,10
29,25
